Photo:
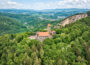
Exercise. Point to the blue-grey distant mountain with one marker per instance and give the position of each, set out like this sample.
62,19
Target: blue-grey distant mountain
46,11
17,11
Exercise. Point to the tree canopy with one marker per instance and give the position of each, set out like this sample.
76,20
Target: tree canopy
69,46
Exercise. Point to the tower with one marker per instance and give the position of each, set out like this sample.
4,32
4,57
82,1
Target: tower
49,28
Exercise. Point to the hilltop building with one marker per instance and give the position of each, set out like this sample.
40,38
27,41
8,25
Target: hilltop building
43,35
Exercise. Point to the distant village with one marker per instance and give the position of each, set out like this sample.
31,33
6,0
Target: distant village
41,36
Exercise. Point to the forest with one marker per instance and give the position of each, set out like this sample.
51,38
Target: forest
10,25
24,22
69,46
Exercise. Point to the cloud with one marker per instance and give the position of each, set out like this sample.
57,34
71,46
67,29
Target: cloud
46,5
8,4
62,4
12,3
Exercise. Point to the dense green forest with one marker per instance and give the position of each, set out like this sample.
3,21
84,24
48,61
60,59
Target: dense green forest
32,22
69,46
9,25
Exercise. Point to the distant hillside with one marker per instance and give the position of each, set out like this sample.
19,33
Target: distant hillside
25,11
17,11
10,25
73,19
32,22
47,13
37,20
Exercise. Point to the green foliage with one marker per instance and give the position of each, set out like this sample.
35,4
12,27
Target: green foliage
88,13
69,46
10,25
32,22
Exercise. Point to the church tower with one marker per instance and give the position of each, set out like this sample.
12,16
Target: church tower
49,28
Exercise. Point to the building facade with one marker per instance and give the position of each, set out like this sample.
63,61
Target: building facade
41,36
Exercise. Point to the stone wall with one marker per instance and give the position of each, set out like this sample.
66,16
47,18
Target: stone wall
41,38
73,19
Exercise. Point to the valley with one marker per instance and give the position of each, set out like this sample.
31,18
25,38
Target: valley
34,20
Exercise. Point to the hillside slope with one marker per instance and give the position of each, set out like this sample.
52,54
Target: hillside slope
33,22
37,20
73,19
70,46
10,25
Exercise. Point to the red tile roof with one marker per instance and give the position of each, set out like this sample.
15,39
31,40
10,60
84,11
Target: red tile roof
43,33
49,25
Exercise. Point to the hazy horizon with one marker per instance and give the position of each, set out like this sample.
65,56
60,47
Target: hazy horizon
41,9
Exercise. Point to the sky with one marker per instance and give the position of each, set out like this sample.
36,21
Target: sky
44,4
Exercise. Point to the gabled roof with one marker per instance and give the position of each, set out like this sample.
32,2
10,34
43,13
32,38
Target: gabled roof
43,34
